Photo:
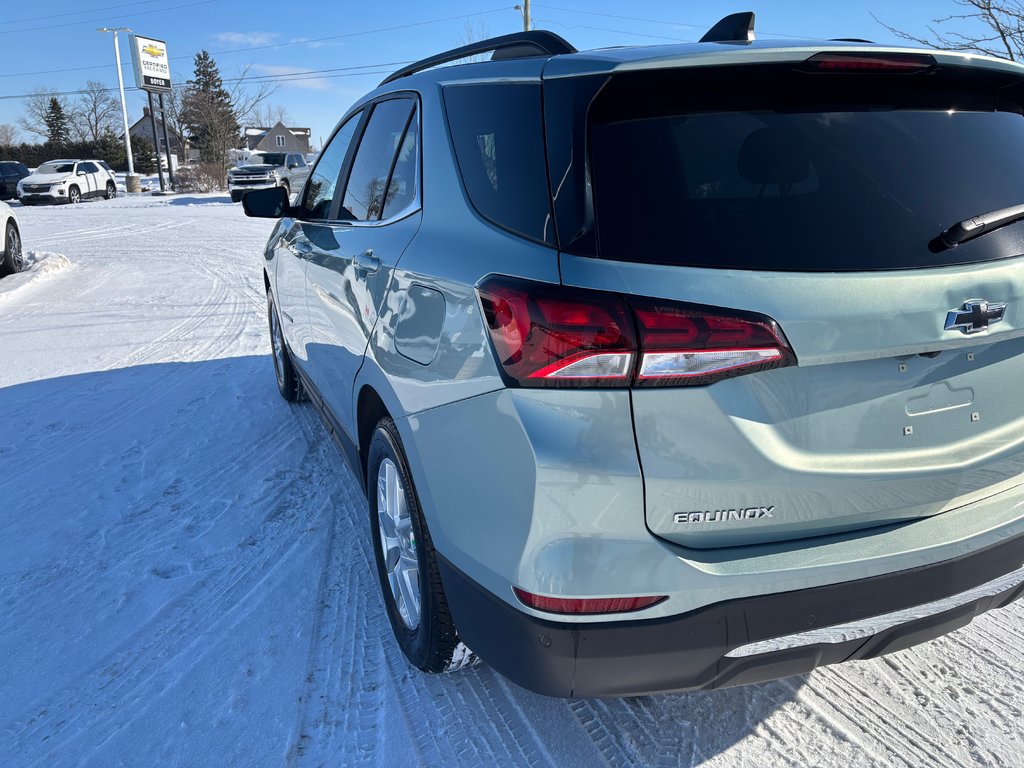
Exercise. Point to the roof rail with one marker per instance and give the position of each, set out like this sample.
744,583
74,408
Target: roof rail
519,45
735,28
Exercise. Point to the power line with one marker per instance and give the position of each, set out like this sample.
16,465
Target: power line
284,77
79,13
660,22
275,45
106,18
619,31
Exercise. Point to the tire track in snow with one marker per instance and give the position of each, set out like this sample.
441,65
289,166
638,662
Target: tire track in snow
338,699
167,646
449,718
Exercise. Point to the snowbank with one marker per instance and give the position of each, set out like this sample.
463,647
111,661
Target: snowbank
38,265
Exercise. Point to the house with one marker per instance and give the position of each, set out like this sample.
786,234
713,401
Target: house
279,138
143,129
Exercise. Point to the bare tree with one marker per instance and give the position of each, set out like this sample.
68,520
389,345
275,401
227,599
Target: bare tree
249,96
37,106
96,113
998,25
269,115
474,31
174,103
8,135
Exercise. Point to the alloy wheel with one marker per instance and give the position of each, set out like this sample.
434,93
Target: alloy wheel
398,543
14,249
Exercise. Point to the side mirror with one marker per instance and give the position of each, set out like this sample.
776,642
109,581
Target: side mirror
269,203
81,173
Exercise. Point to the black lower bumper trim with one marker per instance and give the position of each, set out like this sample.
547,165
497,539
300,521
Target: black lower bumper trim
688,652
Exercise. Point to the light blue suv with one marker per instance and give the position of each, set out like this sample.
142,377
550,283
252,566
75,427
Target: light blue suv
670,367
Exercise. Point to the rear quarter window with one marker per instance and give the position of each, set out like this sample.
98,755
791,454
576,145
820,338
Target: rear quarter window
498,133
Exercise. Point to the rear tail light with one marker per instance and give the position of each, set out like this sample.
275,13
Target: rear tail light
583,605
690,345
548,335
893,63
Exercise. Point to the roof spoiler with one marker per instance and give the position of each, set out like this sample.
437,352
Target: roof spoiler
515,46
736,28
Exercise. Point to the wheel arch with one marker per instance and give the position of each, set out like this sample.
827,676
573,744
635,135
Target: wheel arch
370,409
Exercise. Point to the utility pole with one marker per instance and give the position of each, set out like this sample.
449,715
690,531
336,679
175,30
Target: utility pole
525,9
124,106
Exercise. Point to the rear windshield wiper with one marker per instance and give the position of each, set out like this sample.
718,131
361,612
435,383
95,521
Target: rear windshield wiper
976,226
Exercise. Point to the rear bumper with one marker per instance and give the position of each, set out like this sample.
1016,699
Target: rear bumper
704,649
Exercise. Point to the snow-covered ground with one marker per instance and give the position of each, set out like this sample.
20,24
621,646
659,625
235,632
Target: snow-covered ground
185,565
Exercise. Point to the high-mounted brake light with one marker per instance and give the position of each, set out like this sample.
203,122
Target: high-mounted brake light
548,335
892,63
580,605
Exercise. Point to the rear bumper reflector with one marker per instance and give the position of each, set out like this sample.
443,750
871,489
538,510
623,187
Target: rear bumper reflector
856,630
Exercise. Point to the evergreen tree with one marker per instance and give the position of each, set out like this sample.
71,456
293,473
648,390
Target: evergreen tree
58,132
208,113
144,155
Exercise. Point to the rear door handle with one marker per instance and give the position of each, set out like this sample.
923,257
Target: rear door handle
300,248
366,262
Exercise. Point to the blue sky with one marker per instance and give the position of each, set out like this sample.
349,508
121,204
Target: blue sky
53,43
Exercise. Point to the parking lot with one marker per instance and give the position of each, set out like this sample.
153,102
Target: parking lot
185,569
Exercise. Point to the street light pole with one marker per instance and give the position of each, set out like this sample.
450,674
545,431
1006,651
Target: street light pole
124,106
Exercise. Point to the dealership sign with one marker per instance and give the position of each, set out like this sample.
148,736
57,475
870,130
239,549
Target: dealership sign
152,68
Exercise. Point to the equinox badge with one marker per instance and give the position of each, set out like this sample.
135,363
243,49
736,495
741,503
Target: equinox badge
975,316
723,515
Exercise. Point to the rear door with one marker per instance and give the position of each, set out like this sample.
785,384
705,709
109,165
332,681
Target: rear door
354,254
88,177
816,201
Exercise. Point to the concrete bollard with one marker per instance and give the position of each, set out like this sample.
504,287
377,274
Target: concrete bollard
132,182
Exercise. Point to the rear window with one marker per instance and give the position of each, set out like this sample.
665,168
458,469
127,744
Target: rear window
267,158
498,132
802,172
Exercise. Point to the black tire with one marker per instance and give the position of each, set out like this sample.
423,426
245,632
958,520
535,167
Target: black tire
236,197
432,646
13,257
111,190
74,195
288,383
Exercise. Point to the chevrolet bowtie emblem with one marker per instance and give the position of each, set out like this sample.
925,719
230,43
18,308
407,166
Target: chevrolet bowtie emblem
975,316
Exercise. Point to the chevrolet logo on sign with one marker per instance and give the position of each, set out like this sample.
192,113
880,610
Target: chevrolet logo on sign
152,67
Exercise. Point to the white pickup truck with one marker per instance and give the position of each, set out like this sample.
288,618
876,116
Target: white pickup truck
268,169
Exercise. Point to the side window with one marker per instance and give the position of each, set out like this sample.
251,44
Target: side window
498,132
319,195
88,168
371,168
403,188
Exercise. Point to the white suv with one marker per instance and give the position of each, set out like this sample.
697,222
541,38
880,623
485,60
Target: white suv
68,181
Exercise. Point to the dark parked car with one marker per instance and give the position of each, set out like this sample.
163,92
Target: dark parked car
11,172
